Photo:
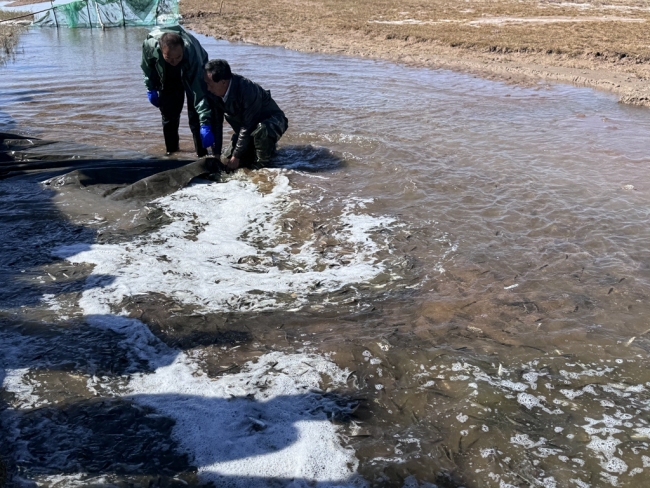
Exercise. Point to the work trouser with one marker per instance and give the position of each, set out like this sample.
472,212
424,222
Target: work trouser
262,147
171,100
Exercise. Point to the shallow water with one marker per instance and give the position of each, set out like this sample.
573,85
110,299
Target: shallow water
466,249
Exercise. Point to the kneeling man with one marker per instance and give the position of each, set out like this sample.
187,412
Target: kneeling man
256,119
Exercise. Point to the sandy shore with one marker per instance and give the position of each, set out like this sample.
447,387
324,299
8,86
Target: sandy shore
597,45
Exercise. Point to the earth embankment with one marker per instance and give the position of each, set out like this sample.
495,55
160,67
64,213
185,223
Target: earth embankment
598,44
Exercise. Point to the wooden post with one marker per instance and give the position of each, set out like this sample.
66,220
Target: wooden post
56,22
123,19
90,20
99,17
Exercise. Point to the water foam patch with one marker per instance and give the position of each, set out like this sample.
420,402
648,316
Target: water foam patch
224,251
16,381
262,423
597,428
269,422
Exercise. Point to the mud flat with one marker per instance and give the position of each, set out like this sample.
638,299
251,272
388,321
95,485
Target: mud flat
596,44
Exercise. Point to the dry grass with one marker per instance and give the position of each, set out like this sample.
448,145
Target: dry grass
5,14
9,34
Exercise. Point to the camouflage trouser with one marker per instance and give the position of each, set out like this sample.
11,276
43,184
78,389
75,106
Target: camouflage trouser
262,147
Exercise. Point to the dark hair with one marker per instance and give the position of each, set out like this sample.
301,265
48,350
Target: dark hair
170,40
218,69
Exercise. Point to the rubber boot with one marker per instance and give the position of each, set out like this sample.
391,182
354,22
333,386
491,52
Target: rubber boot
264,146
201,152
170,133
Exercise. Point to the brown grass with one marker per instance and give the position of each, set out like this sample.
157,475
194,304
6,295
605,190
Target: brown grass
5,14
9,34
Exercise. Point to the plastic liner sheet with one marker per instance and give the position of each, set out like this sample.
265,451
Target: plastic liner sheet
110,13
122,176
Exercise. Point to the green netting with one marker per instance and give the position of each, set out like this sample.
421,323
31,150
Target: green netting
110,13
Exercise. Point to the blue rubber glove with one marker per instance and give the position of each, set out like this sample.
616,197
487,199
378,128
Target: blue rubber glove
207,137
153,98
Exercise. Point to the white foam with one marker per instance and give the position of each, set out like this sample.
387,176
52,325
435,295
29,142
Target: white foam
549,482
526,442
607,447
609,478
512,385
71,480
587,372
460,367
615,465
610,425
261,423
15,381
580,483
196,258
643,432
613,454
531,377
529,401
572,394
51,301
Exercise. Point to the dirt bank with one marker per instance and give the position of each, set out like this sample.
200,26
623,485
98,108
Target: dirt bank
602,45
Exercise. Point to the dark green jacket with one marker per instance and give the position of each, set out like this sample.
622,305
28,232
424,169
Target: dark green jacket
246,105
194,59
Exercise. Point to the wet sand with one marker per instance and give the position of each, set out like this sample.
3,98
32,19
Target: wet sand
597,45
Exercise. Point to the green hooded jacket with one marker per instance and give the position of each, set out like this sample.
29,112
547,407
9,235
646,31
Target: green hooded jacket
194,59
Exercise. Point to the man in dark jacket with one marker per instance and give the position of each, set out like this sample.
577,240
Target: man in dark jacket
256,119
172,63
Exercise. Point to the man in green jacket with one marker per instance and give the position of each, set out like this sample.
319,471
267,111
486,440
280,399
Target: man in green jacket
172,63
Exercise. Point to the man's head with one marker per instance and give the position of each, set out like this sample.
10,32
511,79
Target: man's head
171,45
217,76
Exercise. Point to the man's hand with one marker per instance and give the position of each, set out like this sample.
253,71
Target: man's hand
233,164
152,95
207,137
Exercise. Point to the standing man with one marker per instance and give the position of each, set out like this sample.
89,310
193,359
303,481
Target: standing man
256,119
172,63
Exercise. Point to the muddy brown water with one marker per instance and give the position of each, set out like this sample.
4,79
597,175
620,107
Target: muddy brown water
504,344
